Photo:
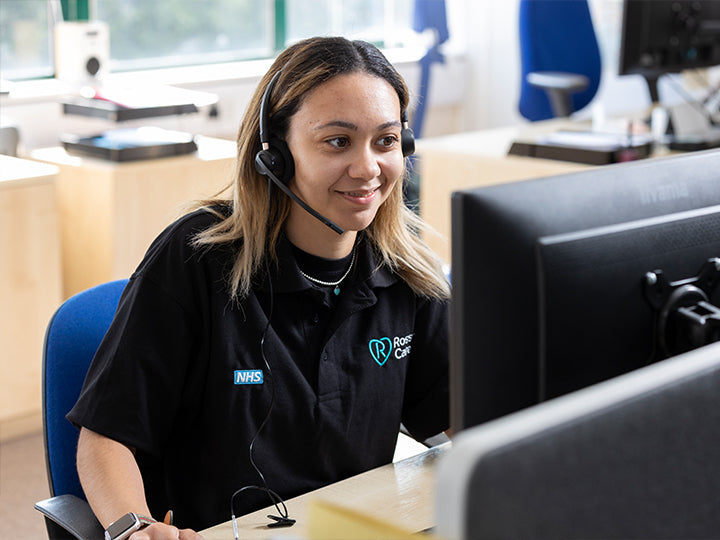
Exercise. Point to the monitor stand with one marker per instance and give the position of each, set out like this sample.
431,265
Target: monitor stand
687,126
692,128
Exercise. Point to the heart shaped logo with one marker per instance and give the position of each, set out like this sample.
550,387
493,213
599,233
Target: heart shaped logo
380,349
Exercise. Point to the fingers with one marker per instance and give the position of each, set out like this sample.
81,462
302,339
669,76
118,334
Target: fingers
157,531
161,531
189,534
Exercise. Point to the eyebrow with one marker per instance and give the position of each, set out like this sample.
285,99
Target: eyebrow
354,127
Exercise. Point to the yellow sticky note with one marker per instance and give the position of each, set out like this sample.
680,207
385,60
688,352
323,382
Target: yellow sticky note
328,521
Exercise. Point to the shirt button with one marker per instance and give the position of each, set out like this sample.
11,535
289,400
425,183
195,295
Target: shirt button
325,357
315,318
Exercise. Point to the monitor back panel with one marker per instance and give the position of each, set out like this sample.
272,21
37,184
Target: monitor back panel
635,457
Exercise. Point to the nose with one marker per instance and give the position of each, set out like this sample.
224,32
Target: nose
364,164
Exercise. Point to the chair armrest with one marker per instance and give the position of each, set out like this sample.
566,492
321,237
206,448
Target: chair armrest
72,514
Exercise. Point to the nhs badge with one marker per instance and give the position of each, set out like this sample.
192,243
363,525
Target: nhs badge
249,376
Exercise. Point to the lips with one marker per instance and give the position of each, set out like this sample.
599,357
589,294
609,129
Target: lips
361,194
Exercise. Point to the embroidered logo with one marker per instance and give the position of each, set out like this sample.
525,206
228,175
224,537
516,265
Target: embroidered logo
249,376
381,349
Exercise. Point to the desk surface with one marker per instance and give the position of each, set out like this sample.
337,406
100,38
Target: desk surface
399,493
16,172
209,149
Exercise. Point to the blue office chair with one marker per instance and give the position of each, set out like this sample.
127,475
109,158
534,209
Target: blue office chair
71,339
560,58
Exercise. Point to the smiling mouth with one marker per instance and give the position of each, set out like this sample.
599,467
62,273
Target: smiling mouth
360,194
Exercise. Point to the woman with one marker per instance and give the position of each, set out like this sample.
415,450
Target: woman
256,344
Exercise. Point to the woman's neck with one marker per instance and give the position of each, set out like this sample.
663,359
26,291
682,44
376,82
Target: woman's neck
317,239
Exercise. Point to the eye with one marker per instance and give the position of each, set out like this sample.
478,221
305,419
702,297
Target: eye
339,142
389,141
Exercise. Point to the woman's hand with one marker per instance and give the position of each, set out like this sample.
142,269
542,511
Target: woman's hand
161,531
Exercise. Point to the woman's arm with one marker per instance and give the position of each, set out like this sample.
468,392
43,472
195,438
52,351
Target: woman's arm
110,477
113,484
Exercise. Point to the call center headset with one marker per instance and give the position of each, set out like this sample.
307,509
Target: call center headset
275,161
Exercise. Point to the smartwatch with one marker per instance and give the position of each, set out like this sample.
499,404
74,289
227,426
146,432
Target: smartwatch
126,525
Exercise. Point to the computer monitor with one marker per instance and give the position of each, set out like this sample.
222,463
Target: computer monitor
562,282
668,36
633,457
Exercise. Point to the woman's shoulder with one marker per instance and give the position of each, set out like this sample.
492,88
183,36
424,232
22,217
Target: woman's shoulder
199,219
177,240
195,221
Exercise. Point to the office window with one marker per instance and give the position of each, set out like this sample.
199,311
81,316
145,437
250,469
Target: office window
383,22
185,32
151,34
25,39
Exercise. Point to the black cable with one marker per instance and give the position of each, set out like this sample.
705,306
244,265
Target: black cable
283,520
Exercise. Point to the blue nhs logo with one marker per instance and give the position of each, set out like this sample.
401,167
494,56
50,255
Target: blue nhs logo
249,376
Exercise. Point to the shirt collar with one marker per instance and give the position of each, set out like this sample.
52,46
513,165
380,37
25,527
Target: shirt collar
368,269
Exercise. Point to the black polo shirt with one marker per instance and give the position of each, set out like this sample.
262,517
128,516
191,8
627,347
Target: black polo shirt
180,376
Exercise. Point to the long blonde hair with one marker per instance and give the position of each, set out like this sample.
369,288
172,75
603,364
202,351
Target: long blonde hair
257,221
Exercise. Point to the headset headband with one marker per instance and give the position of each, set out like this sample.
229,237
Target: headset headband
264,114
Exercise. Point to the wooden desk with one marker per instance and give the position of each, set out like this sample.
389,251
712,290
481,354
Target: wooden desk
400,493
110,212
474,159
30,287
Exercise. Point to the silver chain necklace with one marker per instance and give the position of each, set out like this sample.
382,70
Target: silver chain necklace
335,284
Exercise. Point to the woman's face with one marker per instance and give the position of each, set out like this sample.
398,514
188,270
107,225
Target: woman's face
345,142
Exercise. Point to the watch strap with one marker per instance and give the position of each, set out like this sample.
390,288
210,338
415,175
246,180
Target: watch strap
145,520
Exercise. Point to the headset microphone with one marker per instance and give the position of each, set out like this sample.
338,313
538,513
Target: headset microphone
275,161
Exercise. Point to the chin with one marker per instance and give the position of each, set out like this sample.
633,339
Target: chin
357,222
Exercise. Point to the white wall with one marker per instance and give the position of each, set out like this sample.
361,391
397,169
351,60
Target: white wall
486,32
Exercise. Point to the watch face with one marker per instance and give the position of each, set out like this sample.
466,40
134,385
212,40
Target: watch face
123,527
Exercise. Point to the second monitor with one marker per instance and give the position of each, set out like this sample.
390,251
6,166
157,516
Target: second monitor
562,282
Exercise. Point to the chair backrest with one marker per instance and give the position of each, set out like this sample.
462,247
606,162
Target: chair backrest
558,37
71,339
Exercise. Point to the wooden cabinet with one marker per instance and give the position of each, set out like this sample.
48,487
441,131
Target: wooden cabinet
110,212
30,287
476,159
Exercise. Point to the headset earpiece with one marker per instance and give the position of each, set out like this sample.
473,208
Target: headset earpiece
407,137
274,157
277,160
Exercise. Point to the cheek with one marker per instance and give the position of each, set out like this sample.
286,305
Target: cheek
393,170
313,174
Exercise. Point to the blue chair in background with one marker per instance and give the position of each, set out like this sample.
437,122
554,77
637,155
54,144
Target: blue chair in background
428,14
72,337
560,58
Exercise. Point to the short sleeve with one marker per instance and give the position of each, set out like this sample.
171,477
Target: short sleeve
143,372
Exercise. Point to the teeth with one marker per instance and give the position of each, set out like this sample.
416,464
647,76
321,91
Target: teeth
361,193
